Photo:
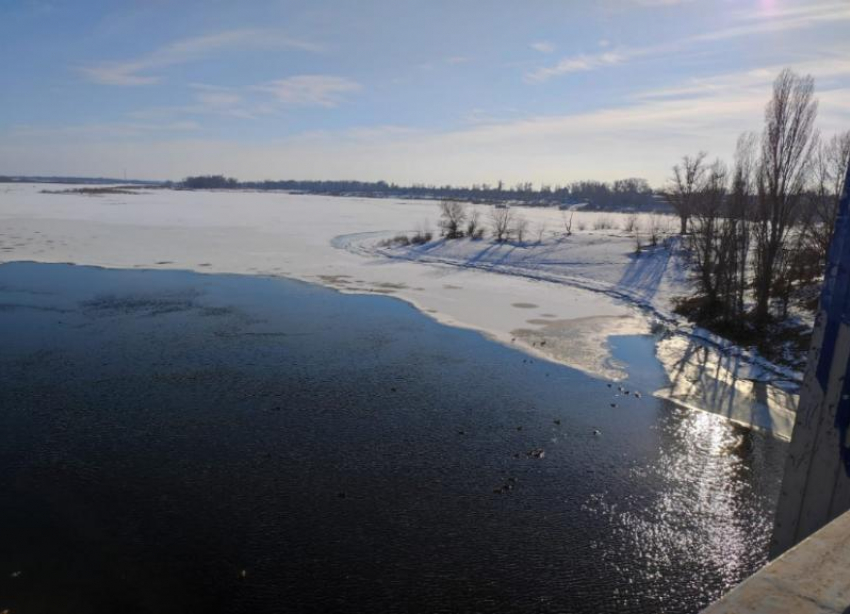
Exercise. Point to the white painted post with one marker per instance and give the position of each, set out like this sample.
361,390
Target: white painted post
816,485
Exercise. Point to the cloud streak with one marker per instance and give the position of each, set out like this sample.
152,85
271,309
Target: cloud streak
310,90
579,63
543,46
749,24
779,20
258,101
136,72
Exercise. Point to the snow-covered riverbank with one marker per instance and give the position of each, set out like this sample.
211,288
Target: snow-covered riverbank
560,298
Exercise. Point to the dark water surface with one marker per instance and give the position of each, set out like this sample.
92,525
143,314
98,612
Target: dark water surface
176,442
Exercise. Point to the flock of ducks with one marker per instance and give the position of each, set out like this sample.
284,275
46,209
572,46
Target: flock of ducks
625,391
539,453
535,453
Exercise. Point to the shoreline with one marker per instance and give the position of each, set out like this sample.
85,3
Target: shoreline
777,421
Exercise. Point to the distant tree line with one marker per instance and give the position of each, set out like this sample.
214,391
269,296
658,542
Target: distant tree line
79,180
631,193
758,231
210,182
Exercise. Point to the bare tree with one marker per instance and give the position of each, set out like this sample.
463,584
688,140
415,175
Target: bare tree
540,232
653,228
802,259
710,259
736,227
787,146
685,187
501,221
830,168
473,224
452,217
568,222
520,228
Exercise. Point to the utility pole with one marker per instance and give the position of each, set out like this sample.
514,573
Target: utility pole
816,485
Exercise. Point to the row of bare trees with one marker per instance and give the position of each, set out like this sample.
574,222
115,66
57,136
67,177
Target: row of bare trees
458,221
758,231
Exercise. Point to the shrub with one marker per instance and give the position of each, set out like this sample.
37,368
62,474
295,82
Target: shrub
421,237
501,221
452,218
473,227
520,228
603,222
399,240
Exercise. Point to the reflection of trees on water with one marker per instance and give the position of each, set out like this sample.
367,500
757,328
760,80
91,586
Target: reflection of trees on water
723,382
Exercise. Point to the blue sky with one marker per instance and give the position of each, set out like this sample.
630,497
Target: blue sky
432,91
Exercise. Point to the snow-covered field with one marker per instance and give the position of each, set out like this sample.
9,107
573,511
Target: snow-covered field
557,297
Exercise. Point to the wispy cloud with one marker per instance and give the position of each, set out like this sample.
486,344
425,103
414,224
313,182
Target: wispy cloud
113,73
543,46
826,69
255,102
748,23
765,21
310,90
578,63
805,11
137,71
228,101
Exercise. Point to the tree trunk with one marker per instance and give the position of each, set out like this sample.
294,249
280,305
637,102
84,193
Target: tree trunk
764,285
